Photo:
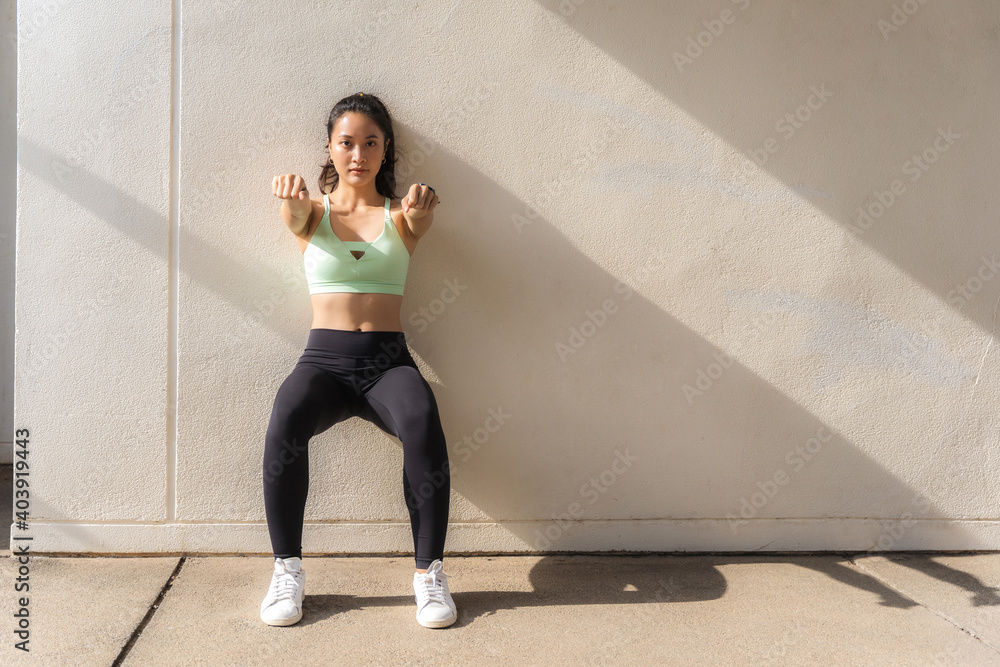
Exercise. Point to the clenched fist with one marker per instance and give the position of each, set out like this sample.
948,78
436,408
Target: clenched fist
418,202
292,188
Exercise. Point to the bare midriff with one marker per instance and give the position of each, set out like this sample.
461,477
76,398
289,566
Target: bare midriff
355,311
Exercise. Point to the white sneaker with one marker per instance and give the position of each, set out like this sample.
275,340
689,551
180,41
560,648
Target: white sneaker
435,608
283,603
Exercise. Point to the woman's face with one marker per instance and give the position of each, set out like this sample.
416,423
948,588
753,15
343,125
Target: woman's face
356,142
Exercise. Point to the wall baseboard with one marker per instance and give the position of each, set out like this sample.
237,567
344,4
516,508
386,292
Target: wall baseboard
521,537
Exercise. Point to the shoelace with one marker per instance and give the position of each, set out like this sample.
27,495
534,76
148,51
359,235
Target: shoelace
432,586
284,587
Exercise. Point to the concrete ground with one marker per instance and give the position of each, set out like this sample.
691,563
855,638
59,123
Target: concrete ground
765,609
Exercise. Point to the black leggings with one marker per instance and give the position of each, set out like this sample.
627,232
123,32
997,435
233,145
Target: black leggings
368,374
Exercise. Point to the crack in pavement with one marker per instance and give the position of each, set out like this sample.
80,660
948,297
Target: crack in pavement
940,614
149,615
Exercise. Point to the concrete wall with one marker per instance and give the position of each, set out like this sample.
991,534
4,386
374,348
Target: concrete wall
8,210
712,276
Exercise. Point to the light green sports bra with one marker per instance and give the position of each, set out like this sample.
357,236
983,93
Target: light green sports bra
330,266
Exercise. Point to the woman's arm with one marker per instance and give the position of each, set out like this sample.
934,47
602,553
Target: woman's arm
296,206
418,209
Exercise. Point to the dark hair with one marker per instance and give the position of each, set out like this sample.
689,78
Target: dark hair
371,106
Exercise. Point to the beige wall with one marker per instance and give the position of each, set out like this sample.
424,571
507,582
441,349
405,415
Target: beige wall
651,314
8,210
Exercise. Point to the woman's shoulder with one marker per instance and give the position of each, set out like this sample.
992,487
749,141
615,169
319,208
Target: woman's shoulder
397,217
320,204
317,212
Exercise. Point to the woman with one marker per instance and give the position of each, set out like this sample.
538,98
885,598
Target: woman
356,362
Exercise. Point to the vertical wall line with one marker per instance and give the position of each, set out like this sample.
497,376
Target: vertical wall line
173,255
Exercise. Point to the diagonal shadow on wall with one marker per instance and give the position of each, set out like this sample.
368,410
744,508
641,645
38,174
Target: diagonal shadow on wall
839,102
